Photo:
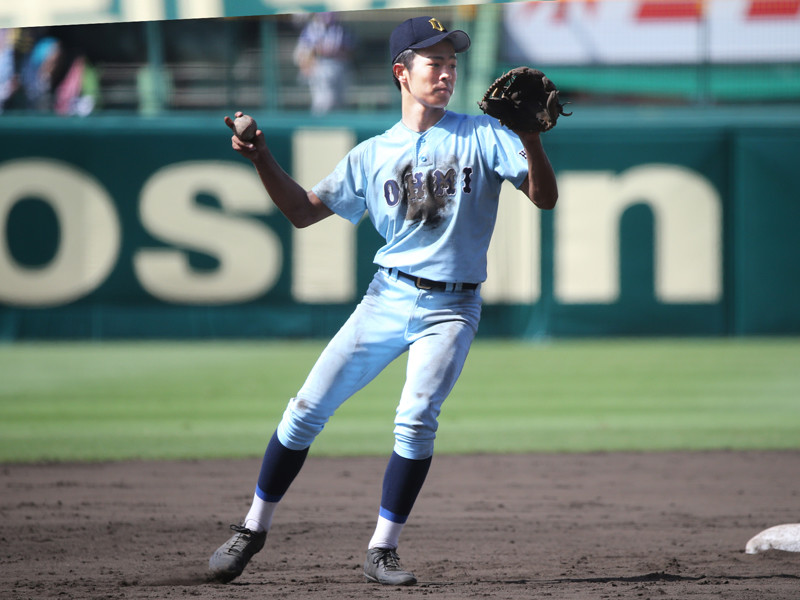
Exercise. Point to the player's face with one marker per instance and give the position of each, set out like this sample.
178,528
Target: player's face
432,76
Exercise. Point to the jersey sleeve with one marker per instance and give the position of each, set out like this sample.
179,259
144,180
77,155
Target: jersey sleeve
343,191
505,151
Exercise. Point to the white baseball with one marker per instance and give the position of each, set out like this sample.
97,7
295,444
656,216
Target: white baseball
245,127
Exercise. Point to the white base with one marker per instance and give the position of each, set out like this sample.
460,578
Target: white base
781,537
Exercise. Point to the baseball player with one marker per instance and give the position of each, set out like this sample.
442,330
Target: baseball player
430,186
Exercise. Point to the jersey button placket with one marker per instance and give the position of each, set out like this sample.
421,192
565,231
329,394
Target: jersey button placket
422,156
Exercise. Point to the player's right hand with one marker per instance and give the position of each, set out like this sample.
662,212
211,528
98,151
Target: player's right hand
247,149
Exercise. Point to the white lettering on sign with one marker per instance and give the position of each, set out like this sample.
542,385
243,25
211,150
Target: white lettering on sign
324,256
89,238
54,12
688,234
70,12
250,254
514,259
200,9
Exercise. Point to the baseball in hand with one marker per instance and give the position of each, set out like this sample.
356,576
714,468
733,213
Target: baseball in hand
245,128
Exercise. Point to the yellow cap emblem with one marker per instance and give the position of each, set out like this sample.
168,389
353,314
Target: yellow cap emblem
436,25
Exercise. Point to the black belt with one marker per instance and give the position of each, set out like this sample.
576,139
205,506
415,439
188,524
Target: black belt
427,284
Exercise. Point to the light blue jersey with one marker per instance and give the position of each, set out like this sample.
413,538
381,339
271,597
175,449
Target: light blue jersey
432,196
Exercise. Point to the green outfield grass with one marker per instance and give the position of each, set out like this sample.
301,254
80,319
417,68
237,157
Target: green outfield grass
110,401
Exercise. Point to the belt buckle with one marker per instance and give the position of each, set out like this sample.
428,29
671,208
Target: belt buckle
420,285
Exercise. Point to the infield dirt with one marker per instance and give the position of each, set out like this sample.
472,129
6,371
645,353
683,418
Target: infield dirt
570,526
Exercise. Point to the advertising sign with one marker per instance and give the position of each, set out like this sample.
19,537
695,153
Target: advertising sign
654,31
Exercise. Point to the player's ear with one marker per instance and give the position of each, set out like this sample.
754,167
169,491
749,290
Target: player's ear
400,72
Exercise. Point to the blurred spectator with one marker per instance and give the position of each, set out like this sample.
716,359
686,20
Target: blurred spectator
79,90
39,72
9,82
323,54
15,47
42,75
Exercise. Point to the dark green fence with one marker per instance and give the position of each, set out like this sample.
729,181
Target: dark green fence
670,222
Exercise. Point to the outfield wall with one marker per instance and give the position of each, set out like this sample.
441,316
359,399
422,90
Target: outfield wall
121,227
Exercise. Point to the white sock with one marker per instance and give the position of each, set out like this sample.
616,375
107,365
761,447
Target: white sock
259,518
387,534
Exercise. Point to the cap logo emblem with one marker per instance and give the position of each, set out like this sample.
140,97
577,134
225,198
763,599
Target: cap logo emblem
436,25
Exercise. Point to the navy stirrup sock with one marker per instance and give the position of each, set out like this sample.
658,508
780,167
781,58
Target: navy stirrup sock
278,469
402,483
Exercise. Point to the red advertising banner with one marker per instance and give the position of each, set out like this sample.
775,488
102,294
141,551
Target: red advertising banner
655,31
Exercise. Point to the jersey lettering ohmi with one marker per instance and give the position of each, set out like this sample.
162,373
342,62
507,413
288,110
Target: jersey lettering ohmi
432,196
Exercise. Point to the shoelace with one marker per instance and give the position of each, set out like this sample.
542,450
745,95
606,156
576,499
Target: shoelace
241,540
390,560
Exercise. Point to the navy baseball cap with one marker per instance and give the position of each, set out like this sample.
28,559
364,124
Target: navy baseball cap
424,32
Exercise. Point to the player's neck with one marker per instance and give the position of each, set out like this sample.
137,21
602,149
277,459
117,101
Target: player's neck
418,117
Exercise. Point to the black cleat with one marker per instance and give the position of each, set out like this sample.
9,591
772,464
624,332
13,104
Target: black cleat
383,566
230,559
